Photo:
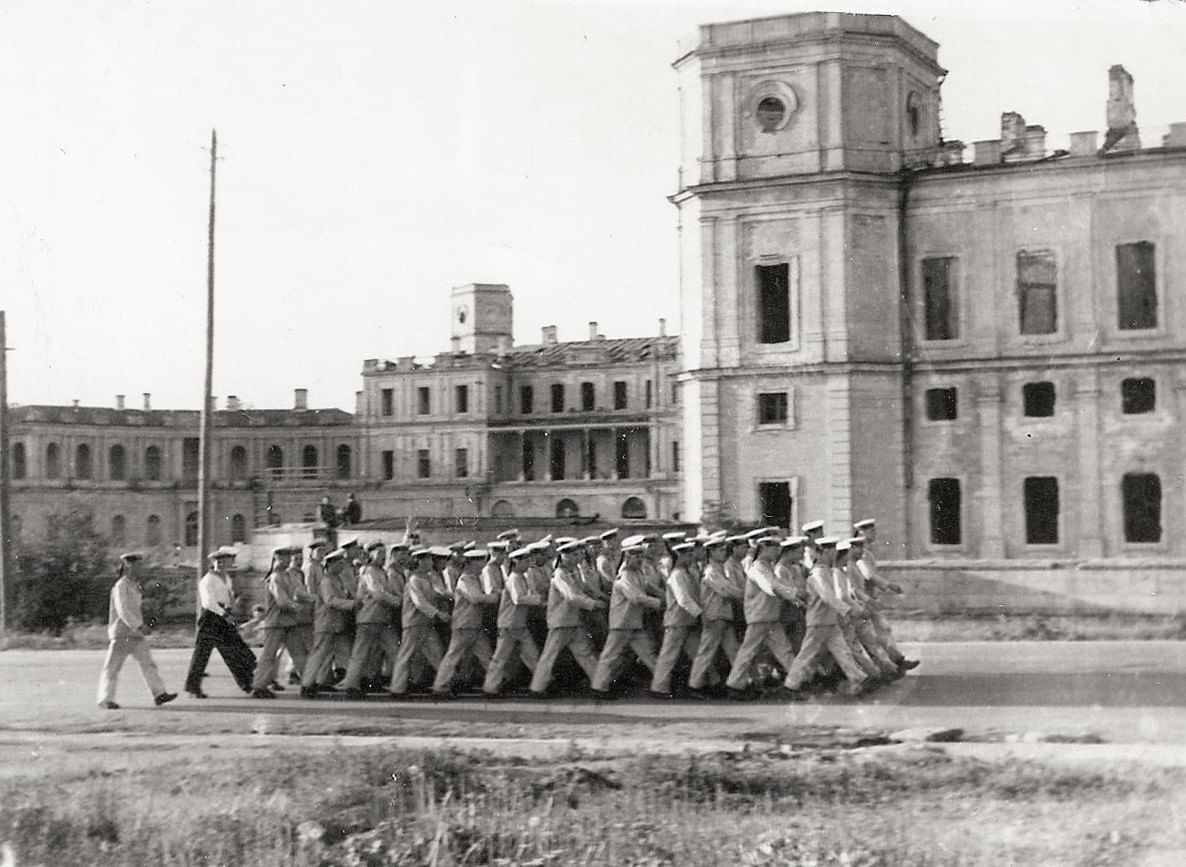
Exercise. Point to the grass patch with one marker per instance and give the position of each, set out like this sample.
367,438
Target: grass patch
386,806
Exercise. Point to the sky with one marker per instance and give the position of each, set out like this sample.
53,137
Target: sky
372,155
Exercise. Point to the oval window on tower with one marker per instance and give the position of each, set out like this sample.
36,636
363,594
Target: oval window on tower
914,113
771,113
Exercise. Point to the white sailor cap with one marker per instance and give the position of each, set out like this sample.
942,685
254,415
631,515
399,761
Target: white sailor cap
335,555
864,524
632,541
609,534
371,546
857,541
681,547
827,541
350,543
566,540
420,552
509,534
632,549
475,554
812,526
766,540
520,553
399,546
317,543
568,547
843,545
675,536
794,542
739,539
222,552
131,556
591,540
754,534
715,542
500,545
439,551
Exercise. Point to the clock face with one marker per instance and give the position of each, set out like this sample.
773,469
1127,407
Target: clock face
462,313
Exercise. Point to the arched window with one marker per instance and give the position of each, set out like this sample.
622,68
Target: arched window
309,461
53,461
345,459
152,534
19,465
82,461
567,509
152,463
119,530
238,464
191,529
117,463
238,528
633,507
502,509
274,460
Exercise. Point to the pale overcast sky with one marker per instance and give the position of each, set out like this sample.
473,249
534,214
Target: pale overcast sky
377,153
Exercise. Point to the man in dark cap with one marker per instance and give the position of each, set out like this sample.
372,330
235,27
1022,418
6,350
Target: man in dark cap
125,629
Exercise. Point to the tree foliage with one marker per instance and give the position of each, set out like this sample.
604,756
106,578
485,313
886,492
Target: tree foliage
65,577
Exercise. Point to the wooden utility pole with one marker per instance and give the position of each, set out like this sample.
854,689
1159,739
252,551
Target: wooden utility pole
204,534
7,575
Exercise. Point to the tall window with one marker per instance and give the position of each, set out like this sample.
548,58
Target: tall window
526,400
119,530
774,303
274,460
387,401
1037,291
82,461
423,464
498,399
1142,507
622,455
238,529
557,397
117,463
588,397
1138,396
939,298
942,404
620,395
774,498
238,464
191,529
53,461
772,409
152,463
388,465
1136,285
190,455
1041,510
345,462
650,394
675,456
309,462
528,459
1038,399
461,463
461,398
423,400
152,531
556,457
20,465
944,498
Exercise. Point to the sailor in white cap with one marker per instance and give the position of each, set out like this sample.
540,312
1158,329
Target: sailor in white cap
764,593
627,602
680,619
334,603
312,573
813,530
823,626
863,573
216,627
280,627
125,633
790,570
467,637
379,603
513,636
421,610
857,625
565,632
718,592
539,580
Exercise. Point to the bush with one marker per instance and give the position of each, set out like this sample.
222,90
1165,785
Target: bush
65,578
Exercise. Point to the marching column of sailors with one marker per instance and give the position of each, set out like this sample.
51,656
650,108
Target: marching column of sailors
736,608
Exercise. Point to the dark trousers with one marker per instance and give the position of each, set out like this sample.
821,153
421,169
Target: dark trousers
216,632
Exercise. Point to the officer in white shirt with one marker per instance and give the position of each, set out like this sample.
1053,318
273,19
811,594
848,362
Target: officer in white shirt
125,629
216,628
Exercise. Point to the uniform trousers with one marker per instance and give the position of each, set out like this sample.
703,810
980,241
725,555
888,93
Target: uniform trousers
463,643
306,632
866,634
758,635
510,641
276,639
617,643
135,646
572,638
369,637
325,645
417,641
218,633
819,642
848,627
714,635
885,634
676,640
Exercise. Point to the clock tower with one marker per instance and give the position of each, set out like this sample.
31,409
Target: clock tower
482,317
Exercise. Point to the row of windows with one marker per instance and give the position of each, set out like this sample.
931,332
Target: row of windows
152,529
117,462
557,461
1140,497
1037,291
558,398
1137,396
632,507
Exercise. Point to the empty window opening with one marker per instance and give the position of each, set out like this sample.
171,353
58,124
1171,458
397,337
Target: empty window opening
423,401
1037,291
1041,510
20,466
387,401
528,460
238,464
345,462
461,463
567,509
774,499
620,401
943,496
939,298
191,455
622,455
238,529
526,400
633,507
588,397
152,531
1142,507
152,464
1038,399
556,457
772,408
774,303
274,460
1136,285
423,464
53,461
388,465
1138,396
557,397
119,530
82,462
461,398
942,404
309,462
117,463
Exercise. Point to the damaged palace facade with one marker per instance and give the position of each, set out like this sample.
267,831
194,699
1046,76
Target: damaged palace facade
984,350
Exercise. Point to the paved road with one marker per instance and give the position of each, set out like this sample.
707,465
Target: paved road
1126,692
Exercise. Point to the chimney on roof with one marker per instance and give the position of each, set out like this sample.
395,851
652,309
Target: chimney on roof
147,400
592,330
119,401
1122,134
76,403
1012,133
662,327
504,344
232,402
300,398
1084,144
455,345
548,335
358,403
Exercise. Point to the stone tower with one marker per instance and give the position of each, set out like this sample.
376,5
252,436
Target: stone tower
796,131
483,317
